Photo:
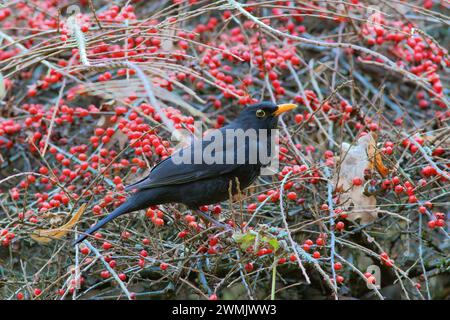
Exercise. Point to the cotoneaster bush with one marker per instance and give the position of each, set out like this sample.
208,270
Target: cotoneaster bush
77,125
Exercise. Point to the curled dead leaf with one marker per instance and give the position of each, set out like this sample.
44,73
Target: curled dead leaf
45,236
354,161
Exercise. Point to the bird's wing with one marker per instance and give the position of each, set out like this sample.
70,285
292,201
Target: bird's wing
172,172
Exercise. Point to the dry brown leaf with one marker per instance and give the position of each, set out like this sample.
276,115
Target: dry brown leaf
45,236
354,161
374,155
101,121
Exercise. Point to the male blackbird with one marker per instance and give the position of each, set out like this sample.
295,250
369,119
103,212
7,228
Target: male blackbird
189,177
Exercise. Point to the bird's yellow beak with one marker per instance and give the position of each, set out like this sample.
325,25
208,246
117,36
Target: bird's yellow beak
283,108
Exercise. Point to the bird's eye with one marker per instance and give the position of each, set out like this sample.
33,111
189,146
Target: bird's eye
260,113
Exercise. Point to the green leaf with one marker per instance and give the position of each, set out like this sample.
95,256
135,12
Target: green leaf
273,242
245,240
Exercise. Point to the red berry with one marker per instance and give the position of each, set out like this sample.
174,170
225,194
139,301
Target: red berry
440,223
357,181
143,253
371,280
262,197
158,222
320,241
85,250
340,226
396,180
213,241
261,252
122,276
99,131
182,234
292,196
163,266
440,215
399,189
298,118
32,92
106,245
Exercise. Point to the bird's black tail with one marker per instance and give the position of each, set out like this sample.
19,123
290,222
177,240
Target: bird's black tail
132,204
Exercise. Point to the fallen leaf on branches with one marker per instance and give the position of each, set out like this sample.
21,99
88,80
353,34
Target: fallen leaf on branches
354,161
45,236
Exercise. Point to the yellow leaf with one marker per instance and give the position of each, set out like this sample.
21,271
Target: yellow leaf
45,236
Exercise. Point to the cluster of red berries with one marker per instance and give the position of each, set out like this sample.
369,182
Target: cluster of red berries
76,162
6,237
417,53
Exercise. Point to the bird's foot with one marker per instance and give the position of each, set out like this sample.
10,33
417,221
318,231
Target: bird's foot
218,224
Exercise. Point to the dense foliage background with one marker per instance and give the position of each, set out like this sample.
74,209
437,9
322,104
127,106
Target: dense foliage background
92,91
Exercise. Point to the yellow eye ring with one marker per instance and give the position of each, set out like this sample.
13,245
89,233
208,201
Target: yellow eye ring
260,113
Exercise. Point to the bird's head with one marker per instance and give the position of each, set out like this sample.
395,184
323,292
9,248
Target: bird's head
262,115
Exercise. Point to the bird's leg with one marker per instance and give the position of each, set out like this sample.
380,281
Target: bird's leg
207,217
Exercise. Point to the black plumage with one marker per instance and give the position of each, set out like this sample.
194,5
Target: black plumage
201,183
